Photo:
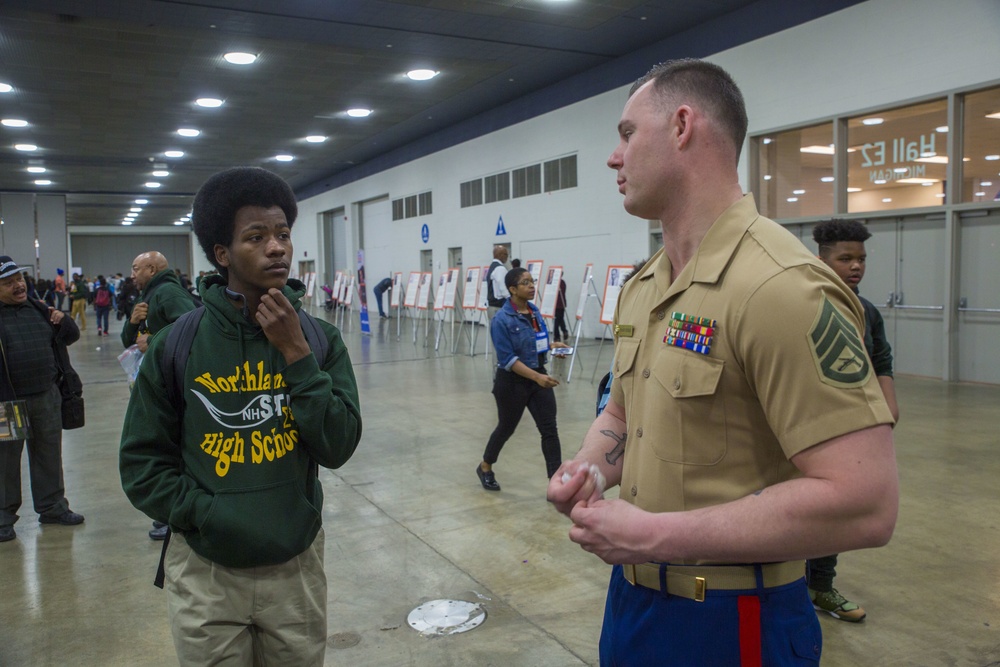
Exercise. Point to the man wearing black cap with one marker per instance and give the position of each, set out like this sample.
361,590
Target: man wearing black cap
28,372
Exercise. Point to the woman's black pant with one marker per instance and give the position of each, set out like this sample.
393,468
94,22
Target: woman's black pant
513,394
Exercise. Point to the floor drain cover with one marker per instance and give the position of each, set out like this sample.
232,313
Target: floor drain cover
446,617
344,640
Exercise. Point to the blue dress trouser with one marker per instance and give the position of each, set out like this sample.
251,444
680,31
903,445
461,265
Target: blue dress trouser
645,627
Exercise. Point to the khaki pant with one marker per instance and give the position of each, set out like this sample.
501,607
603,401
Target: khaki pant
80,308
272,615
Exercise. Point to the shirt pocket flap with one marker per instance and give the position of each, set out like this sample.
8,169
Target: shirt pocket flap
687,375
625,353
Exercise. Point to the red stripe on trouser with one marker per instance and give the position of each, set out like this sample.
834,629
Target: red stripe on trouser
749,608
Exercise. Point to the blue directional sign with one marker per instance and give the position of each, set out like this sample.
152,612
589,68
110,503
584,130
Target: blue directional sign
425,233
501,230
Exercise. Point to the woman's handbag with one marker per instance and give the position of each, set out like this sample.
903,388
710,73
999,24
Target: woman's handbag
14,421
71,389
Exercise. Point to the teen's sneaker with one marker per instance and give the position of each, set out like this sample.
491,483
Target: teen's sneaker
835,604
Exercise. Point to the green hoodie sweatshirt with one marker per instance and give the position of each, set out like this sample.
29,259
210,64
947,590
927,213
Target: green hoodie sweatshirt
167,301
236,476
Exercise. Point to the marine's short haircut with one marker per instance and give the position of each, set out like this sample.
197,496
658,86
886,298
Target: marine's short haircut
513,276
214,212
828,232
709,85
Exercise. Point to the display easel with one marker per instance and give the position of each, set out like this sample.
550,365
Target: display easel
592,293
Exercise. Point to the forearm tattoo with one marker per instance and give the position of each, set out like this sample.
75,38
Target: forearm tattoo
619,449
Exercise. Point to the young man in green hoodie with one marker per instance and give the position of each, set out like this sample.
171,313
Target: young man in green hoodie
236,474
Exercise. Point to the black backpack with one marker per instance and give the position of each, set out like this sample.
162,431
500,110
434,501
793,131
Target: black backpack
176,350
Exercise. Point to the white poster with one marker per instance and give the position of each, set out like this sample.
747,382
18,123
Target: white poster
412,288
348,278
534,267
471,288
482,303
442,291
337,282
349,292
548,306
612,286
397,282
451,288
423,298
588,272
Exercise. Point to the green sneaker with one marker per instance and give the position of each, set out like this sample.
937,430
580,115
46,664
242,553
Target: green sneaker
836,605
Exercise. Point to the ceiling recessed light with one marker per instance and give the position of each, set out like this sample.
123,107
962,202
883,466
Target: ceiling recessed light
359,113
178,222
284,158
886,200
827,179
880,181
43,181
854,189
798,192
986,184
988,157
940,195
873,121
188,132
159,173
135,209
174,153
208,102
315,138
421,74
240,58
14,122
126,222
941,128
792,200
36,170
153,184
27,148
901,170
767,140
141,201
978,194
767,177
993,115
927,184
6,87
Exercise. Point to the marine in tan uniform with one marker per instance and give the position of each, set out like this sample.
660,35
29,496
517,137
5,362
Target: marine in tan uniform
745,427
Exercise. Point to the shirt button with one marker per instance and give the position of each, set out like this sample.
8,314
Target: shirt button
634,491
645,372
677,383
661,314
638,432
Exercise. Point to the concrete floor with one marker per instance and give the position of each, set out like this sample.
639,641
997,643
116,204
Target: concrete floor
407,522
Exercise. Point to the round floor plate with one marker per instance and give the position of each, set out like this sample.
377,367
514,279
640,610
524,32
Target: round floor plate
446,617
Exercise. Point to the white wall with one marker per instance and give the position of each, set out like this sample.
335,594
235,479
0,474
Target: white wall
879,52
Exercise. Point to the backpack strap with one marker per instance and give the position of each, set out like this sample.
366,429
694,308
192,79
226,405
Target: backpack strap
180,338
315,336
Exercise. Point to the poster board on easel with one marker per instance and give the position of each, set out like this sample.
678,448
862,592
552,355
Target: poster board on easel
424,293
471,288
588,273
439,296
338,280
397,282
612,287
548,307
451,289
534,267
412,289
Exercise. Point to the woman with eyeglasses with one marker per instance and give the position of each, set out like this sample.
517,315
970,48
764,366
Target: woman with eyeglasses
522,343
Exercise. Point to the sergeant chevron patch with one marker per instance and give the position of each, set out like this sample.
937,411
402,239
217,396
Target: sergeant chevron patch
837,349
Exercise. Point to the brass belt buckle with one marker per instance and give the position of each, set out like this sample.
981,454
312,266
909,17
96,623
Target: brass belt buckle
699,589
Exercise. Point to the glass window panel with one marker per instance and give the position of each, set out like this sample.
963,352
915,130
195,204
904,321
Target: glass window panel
424,203
397,209
410,205
898,158
567,172
796,172
981,147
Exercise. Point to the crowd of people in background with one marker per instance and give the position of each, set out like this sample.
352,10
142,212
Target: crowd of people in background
109,294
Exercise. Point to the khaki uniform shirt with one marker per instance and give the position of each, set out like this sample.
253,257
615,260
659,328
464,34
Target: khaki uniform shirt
786,367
